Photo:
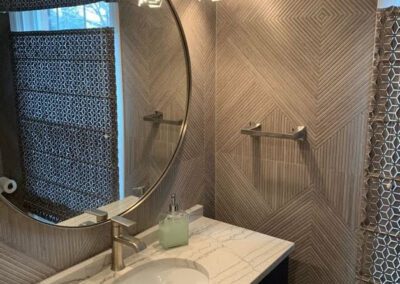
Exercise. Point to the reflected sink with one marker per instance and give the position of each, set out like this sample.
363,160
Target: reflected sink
166,271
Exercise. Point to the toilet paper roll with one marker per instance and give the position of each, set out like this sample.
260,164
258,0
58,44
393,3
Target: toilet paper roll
7,185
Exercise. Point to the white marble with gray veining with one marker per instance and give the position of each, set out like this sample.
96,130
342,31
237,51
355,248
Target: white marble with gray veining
228,253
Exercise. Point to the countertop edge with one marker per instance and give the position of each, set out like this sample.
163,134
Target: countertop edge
269,269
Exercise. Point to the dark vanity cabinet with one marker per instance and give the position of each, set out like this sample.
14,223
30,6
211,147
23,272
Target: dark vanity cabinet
279,275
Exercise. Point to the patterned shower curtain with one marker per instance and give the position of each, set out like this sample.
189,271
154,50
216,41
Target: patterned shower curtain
379,260
66,98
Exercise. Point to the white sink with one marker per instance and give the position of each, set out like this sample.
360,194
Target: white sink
166,271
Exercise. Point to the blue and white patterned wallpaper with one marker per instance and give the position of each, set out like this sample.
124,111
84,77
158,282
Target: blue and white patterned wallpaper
66,97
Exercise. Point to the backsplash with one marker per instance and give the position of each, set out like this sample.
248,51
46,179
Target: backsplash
189,177
284,64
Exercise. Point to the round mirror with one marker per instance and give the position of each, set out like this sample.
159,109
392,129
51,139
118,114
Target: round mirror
93,106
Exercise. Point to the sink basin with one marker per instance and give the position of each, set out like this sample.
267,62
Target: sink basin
166,271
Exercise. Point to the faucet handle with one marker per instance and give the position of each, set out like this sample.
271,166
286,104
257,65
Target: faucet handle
123,222
100,215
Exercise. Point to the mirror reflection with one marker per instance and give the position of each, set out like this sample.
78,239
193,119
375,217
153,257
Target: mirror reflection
93,100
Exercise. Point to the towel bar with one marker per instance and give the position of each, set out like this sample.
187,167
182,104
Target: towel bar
158,117
254,130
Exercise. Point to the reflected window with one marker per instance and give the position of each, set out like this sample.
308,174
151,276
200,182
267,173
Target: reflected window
95,15
90,16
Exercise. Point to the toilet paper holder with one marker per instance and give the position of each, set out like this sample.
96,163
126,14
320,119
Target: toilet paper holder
7,185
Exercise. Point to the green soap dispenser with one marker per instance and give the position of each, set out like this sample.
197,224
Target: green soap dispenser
174,227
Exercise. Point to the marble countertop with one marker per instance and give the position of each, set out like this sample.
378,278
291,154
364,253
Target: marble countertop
228,253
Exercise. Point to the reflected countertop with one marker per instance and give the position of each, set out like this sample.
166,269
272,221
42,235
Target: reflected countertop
113,209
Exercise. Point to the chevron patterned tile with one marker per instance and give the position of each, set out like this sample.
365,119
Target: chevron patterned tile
359,8
19,268
271,68
235,194
344,67
286,222
339,177
334,243
289,63
146,53
294,222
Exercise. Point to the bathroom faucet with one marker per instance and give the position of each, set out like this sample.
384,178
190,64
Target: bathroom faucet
119,239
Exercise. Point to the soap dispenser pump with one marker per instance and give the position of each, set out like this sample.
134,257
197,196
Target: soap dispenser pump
174,226
173,206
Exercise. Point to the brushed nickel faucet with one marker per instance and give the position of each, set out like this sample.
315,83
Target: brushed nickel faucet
119,239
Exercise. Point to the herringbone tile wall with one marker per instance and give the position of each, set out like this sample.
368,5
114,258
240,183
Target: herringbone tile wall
288,63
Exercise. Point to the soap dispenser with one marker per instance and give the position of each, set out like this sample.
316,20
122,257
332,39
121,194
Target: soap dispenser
174,226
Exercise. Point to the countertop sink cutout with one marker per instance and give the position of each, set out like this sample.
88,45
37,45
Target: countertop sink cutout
217,253
167,271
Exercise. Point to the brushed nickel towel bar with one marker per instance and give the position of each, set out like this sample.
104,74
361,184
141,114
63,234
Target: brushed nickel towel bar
158,117
254,130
